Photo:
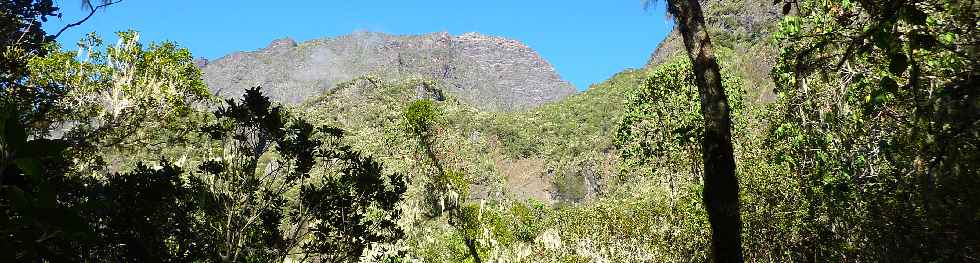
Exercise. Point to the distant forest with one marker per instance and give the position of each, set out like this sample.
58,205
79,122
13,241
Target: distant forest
760,131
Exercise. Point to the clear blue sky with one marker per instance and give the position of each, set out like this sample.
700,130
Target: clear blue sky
586,40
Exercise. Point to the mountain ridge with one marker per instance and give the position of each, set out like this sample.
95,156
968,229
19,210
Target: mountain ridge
490,72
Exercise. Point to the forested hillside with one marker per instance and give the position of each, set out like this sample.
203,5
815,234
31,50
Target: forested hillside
854,128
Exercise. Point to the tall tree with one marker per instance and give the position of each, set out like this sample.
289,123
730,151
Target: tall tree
22,37
720,184
448,187
280,187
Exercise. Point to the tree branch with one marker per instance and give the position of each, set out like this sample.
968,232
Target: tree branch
90,13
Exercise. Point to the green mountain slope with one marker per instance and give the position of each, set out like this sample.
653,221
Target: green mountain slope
743,26
560,151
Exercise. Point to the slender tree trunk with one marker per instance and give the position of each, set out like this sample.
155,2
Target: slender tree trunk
720,183
471,244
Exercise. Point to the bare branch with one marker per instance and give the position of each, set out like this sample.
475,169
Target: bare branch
91,12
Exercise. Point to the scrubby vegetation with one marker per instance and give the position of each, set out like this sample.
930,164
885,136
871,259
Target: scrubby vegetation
866,151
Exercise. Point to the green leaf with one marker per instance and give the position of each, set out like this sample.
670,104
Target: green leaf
947,38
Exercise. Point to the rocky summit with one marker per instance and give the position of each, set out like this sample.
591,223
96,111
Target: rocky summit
488,72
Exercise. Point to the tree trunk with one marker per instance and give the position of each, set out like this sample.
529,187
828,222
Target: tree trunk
471,244
720,183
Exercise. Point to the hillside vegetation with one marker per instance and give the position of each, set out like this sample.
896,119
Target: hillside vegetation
855,128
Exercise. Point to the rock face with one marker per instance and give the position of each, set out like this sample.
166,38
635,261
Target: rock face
491,73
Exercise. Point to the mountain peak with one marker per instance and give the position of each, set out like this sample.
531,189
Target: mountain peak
281,43
488,72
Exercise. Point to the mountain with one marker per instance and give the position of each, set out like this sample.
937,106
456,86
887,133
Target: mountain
558,152
556,146
491,73
742,26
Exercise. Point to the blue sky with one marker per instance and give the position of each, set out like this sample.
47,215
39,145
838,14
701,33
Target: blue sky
586,40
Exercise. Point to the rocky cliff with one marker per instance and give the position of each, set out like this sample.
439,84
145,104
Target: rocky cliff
491,73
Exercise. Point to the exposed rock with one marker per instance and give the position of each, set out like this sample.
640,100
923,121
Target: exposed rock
489,72
281,43
426,91
526,179
201,62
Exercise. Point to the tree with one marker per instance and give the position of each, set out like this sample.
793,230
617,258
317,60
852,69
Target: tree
259,153
145,215
342,205
21,25
46,214
23,38
448,187
260,195
721,197
662,124
50,216
877,117
34,224
39,204
122,96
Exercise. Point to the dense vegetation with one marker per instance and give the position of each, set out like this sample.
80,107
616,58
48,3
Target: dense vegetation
867,151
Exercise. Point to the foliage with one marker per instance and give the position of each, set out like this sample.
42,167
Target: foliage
147,214
662,124
524,218
48,215
35,225
262,185
355,208
262,153
877,117
242,200
447,188
123,95
418,118
21,39
112,153
159,214
21,29
572,136
659,149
